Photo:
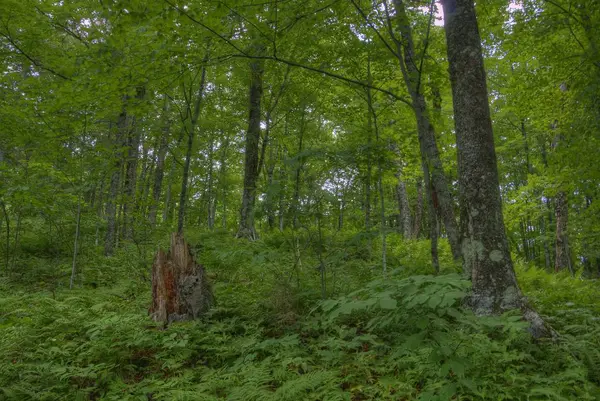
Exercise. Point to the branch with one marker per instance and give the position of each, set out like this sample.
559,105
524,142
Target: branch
569,13
370,25
63,27
243,54
28,57
426,44
194,20
326,73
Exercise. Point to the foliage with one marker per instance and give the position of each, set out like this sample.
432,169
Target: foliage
404,336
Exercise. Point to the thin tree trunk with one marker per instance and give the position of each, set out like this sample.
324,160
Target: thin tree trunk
159,171
563,253
115,183
282,179
210,202
7,220
17,239
403,208
439,191
298,172
372,120
167,215
432,218
191,132
487,259
418,211
321,261
270,173
222,179
76,244
247,228
131,162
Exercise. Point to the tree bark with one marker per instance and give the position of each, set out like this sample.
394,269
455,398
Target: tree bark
418,211
487,259
563,253
403,208
180,288
247,228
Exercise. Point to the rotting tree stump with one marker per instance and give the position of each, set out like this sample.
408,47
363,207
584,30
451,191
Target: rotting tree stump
180,288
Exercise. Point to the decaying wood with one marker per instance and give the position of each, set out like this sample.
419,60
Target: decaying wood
180,287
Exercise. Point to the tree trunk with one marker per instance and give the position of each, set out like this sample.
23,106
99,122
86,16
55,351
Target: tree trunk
374,127
270,175
432,218
190,143
115,184
418,211
222,179
180,288
427,141
7,220
210,202
132,138
159,171
298,173
246,228
563,253
76,243
403,208
485,246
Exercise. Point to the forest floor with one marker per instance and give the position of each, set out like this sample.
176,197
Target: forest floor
271,337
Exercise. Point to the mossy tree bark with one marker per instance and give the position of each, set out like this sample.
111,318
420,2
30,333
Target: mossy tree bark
484,247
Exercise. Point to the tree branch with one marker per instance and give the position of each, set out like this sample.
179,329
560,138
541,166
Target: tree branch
370,25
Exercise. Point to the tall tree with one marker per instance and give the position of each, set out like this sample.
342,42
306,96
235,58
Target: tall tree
190,129
487,258
246,227
436,182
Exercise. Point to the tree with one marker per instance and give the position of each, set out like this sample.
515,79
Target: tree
247,228
487,258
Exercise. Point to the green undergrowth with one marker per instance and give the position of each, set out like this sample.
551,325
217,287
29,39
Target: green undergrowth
399,337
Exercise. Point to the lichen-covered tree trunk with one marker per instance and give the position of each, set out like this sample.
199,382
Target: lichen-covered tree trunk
485,246
439,192
180,288
246,228
563,253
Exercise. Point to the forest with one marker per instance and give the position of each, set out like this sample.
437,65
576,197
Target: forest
313,200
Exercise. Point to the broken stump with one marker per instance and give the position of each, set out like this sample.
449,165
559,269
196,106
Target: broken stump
180,288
